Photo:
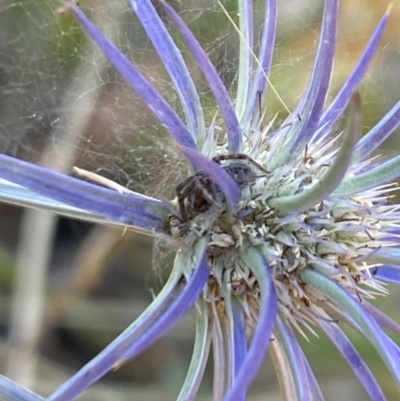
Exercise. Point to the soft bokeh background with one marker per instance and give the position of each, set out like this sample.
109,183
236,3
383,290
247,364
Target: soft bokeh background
67,288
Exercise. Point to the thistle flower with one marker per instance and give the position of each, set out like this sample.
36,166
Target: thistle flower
280,230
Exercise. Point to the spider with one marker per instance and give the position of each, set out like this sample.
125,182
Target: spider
199,193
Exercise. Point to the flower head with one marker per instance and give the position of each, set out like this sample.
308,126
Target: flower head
280,230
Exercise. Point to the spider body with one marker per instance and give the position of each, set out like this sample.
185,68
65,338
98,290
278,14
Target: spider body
199,193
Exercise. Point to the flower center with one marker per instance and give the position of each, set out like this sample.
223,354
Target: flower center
334,237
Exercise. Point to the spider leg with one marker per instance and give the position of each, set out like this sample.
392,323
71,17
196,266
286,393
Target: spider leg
240,156
183,190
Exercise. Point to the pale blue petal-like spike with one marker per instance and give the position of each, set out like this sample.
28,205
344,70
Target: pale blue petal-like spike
217,87
381,318
387,256
286,205
378,134
200,354
228,339
124,208
14,194
157,104
379,175
173,62
314,386
265,325
315,96
246,46
313,101
147,329
263,69
335,110
324,57
369,328
388,273
312,104
291,346
239,342
11,391
354,359
175,312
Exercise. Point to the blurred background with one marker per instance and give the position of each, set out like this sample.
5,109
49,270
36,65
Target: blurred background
67,288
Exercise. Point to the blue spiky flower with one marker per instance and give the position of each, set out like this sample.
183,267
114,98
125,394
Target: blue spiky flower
280,230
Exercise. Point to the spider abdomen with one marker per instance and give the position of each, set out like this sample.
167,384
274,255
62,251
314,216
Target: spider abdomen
198,193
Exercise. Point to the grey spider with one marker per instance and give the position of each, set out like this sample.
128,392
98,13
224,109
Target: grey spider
198,193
